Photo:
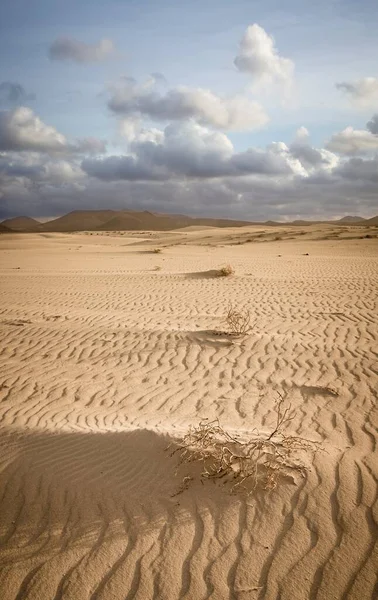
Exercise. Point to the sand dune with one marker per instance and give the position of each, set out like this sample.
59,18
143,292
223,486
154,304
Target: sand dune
110,352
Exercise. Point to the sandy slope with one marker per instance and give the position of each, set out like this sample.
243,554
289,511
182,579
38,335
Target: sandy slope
104,360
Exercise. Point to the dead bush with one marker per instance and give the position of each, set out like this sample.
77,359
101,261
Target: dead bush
226,271
259,461
238,321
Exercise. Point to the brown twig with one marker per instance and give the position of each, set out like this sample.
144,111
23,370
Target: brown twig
260,460
238,321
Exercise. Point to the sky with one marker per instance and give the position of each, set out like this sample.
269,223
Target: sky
227,108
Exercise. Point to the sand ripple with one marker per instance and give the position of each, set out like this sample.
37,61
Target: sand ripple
103,365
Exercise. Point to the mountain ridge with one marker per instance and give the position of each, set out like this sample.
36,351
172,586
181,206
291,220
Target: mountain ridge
132,220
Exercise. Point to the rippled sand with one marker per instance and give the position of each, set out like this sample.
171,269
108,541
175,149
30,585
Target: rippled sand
110,351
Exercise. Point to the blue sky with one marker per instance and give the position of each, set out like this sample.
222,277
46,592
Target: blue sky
192,44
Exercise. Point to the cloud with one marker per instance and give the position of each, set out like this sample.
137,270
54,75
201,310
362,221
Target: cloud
362,93
353,141
372,125
259,57
185,150
305,161
185,167
181,103
22,130
360,169
79,52
309,157
89,145
14,167
12,94
302,135
38,168
282,150
306,154
249,197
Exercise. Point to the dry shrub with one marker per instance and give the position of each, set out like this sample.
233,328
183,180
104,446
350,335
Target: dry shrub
157,250
259,461
238,321
226,271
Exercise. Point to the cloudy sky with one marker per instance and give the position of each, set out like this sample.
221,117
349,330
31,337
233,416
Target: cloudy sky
244,109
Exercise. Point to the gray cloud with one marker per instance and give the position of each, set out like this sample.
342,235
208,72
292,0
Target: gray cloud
372,125
234,197
309,157
15,168
79,52
235,113
89,146
36,170
114,168
13,94
359,169
306,154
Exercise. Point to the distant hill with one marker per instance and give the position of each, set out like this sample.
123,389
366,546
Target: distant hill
131,220
22,224
343,221
128,220
145,220
350,220
4,229
372,221
79,220
301,223
222,223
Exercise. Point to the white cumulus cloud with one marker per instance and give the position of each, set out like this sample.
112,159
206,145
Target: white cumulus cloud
353,141
362,93
22,130
185,150
234,113
259,57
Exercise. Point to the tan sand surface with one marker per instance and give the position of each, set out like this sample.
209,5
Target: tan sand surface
110,351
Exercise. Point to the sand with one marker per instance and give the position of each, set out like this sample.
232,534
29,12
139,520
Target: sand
110,352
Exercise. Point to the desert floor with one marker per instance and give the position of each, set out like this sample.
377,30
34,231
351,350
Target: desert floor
110,352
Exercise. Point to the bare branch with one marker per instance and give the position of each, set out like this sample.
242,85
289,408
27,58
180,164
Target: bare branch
261,460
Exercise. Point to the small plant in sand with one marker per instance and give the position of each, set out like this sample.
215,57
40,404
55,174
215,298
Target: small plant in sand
259,461
157,250
226,271
238,321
